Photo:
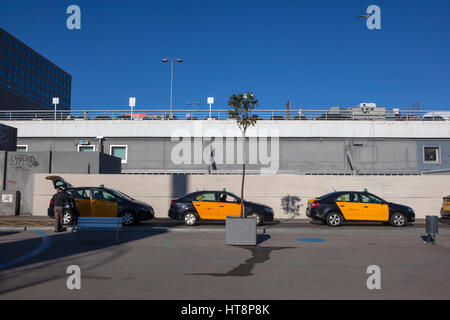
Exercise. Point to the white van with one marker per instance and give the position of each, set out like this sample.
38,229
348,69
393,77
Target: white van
436,116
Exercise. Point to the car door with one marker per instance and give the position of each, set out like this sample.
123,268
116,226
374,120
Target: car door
350,206
82,198
374,208
103,204
229,205
206,205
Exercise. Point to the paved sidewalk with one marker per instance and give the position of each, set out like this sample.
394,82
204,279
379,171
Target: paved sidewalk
156,264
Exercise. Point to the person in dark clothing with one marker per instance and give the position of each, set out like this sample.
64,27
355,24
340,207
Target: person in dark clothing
59,199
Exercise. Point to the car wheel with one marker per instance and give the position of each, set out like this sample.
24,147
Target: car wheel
128,218
67,218
190,218
398,220
334,219
259,218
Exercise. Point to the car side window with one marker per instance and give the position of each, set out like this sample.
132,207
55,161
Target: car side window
349,197
205,197
102,195
80,194
367,198
226,197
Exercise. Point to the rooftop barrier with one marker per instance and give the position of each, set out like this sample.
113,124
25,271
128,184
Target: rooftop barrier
222,114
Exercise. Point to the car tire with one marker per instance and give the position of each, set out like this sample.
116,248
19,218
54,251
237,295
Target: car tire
259,218
398,220
128,218
190,218
68,217
334,219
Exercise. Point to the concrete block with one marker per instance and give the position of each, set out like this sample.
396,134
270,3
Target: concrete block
9,203
240,231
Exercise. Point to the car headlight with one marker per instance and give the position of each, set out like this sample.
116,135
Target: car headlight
410,209
268,210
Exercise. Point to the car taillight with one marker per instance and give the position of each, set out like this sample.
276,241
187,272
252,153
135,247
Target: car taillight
51,202
315,205
172,203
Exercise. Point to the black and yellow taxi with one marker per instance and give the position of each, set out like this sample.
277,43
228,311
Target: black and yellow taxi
445,210
215,205
100,202
337,207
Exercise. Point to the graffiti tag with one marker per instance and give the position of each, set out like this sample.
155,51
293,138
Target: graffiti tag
23,162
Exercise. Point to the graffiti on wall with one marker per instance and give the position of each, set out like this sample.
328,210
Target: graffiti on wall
23,162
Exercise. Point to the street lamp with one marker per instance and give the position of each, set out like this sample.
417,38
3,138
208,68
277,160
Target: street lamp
171,60
189,103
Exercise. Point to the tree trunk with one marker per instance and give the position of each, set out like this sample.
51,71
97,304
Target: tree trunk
243,178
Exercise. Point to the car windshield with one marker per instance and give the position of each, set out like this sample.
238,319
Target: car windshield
120,194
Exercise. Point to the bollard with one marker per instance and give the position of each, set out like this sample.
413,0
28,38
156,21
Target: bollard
432,228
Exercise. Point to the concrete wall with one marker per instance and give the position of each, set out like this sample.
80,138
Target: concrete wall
229,128
21,167
84,162
423,193
20,170
295,154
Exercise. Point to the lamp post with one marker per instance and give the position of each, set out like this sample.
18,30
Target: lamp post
55,102
171,60
193,107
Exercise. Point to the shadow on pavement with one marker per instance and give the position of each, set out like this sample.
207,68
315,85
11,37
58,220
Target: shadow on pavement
259,255
100,245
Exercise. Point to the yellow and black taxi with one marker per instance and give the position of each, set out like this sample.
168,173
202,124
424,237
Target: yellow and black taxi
337,207
100,202
215,205
445,210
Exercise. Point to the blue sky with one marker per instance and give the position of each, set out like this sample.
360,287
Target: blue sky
313,52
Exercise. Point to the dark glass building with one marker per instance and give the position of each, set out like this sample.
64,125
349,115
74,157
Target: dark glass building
28,81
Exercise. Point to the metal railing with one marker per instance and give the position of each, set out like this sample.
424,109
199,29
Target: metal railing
219,114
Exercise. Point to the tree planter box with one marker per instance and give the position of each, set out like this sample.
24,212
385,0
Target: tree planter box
240,231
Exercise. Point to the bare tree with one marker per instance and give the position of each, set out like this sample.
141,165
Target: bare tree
242,106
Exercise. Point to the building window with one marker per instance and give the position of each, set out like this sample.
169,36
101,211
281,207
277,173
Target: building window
431,155
84,148
22,148
120,152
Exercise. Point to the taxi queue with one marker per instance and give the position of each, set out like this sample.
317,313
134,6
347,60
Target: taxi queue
332,209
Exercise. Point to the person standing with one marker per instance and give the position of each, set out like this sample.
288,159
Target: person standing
59,199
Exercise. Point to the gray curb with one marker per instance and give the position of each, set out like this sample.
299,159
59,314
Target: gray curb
260,230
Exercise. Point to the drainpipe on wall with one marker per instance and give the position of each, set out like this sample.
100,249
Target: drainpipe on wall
100,146
350,162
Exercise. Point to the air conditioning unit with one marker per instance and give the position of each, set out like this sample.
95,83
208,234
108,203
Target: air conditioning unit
85,143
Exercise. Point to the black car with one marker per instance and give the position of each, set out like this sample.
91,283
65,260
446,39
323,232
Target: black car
337,207
215,205
100,202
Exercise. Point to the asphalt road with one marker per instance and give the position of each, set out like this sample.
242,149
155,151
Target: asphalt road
15,223
161,263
